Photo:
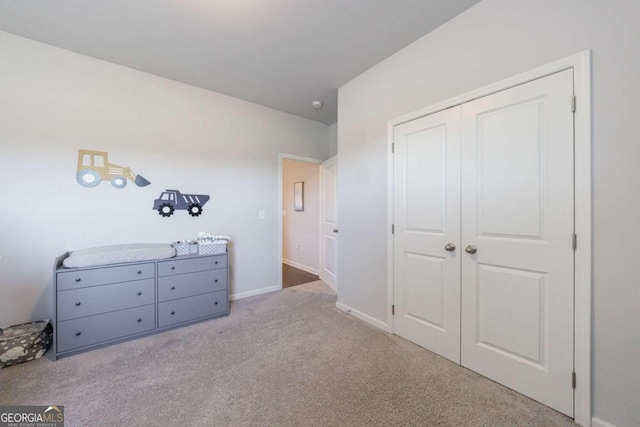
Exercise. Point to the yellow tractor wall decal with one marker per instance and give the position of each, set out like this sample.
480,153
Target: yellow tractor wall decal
94,166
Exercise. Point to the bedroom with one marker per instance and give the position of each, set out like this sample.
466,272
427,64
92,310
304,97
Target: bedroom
54,102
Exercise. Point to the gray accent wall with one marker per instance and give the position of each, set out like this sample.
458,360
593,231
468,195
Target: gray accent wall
491,41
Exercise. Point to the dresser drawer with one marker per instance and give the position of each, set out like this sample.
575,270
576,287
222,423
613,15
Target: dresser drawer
185,309
190,265
83,302
186,285
86,331
75,279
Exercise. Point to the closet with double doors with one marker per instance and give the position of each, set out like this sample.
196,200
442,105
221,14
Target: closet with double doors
484,219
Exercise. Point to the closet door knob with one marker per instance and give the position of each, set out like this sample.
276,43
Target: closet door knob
471,249
450,247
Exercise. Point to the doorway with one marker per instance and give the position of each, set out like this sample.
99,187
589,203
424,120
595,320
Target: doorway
293,276
299,220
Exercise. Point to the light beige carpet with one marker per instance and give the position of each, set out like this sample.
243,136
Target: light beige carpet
288,358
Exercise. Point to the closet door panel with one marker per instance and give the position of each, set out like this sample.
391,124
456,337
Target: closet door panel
427,219
517,213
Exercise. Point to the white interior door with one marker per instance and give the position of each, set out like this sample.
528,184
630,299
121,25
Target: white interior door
329,220
517,212
427,232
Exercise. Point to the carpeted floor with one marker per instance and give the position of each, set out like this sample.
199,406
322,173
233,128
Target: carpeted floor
288,358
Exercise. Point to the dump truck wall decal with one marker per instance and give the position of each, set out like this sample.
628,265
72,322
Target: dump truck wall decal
94,166
171,200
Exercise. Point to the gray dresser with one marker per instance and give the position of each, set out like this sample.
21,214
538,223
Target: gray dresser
103,305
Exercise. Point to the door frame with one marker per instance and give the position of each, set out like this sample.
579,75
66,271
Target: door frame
281,157
581,65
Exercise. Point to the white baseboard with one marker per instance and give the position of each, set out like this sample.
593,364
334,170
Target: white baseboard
301,267
364,317
597,422
328,283
248,294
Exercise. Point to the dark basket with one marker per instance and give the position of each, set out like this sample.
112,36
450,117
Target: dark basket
24,342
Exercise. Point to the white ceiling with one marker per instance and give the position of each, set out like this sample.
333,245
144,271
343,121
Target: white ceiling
282,54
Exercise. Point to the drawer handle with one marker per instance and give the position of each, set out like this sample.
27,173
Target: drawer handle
139,271
173,288
78,279
215,303
216,262
139,293
173,267
139,320
78,304
173,312
215,281
78,333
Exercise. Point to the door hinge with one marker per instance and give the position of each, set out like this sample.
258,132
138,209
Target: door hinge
393,147
574,241
393,310
573,103
393,229
573,380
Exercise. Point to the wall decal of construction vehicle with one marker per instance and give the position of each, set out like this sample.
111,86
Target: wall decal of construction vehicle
94,166
170,200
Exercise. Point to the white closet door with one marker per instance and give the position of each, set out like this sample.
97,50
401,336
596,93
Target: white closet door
517,192
427,219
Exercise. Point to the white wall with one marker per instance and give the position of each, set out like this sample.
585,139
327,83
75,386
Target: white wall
53,102
333,139
301,227
491,41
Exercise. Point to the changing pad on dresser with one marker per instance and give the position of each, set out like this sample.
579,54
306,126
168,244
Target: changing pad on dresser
115,254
